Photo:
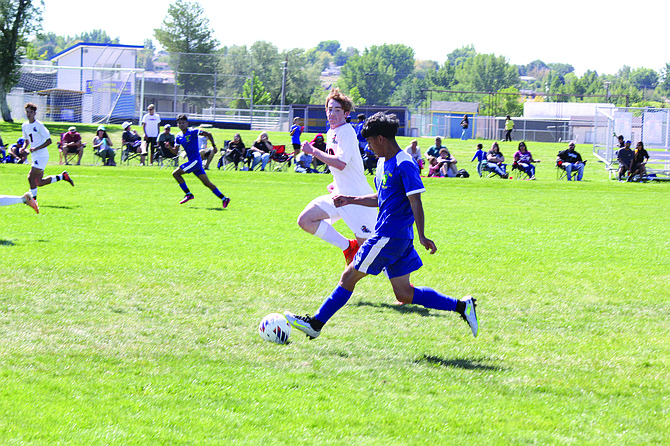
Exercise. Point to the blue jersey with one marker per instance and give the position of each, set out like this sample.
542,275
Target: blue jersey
395,180
295,137
189,141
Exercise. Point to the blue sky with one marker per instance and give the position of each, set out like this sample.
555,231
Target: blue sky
582,33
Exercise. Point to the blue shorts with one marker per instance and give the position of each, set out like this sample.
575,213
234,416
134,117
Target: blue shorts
395,256
194,167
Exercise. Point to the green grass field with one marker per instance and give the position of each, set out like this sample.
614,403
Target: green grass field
127,318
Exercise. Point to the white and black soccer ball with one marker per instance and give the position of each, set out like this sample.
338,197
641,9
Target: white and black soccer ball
275,328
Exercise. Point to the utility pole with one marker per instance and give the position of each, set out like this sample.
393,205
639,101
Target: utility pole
284,66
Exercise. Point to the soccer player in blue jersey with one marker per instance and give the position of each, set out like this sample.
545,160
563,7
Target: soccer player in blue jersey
188,139
391,247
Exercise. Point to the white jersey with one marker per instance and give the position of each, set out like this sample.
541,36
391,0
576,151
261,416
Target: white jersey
36,134
342,143
151,124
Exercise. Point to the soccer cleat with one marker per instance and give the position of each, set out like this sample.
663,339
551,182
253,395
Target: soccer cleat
225,201
187,197
351,251
469,315
66,177
302,323
30,201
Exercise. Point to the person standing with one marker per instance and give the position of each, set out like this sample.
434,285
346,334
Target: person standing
37,139
150,122
344,159
188,139
465,123
391,247
296,131
509,127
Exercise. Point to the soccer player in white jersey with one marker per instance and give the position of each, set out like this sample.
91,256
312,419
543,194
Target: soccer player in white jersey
37,140
346,165
391,248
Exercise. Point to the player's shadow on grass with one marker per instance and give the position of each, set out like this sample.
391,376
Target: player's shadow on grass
466,364
205,208
51,206
6,243
404,309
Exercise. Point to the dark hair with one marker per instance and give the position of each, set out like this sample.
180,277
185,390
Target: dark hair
182,117
381,124
641,144
521,143
31,106
361,116
480,146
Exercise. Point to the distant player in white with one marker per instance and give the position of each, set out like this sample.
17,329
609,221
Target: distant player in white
150,122
37,140
346,165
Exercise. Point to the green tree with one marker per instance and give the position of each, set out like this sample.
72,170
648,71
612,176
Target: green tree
487,72
146,55
329,46
644,78
18,19
260,94
45,46
378,71
186,34
665,78
460,55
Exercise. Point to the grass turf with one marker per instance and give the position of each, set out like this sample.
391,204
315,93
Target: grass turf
129,319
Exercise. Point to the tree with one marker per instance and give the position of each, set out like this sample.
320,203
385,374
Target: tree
487,72
260,94
378,71
45,46
146,55
644,78
185,33
329,46
665,78
460,55
19,18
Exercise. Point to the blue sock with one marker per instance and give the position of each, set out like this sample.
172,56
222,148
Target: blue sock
218,193
330,306
184,187
429,298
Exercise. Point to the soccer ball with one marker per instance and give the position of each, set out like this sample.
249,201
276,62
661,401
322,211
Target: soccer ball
275,328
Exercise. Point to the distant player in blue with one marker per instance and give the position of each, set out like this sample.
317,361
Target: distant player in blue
188,139
296,131
480,156
391,247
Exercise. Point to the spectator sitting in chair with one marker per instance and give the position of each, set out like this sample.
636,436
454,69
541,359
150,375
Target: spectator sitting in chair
17,154
260,151
71,143
235,150
166,143
131,142
447,163
319,143
206,154
625,157
525,160
303,163
640,159
102,145
414,151
495,160
571,160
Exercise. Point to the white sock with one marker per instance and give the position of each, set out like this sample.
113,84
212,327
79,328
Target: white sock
328,233
33,192
7,200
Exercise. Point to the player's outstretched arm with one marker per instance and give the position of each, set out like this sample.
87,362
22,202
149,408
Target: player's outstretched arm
366,200
419,221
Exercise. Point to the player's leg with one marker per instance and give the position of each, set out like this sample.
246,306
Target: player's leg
206,181
8,200
178,175
313,220
80,153
312,326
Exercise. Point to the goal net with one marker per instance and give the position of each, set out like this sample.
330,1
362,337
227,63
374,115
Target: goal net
74,94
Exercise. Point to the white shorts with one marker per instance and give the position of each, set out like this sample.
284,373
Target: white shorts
40,158
360,219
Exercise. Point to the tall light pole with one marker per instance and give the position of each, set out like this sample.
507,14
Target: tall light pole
284,66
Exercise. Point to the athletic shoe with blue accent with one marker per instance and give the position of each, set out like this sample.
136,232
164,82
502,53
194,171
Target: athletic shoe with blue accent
469,315
302,323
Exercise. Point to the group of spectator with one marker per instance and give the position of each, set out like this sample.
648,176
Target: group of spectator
632,164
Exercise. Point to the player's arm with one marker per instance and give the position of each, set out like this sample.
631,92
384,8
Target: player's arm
46,143
365,200
419,221
209,136
331,160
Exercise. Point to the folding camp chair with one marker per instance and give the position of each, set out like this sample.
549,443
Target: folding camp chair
132,150
65,156
521,172
562,173
279,159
